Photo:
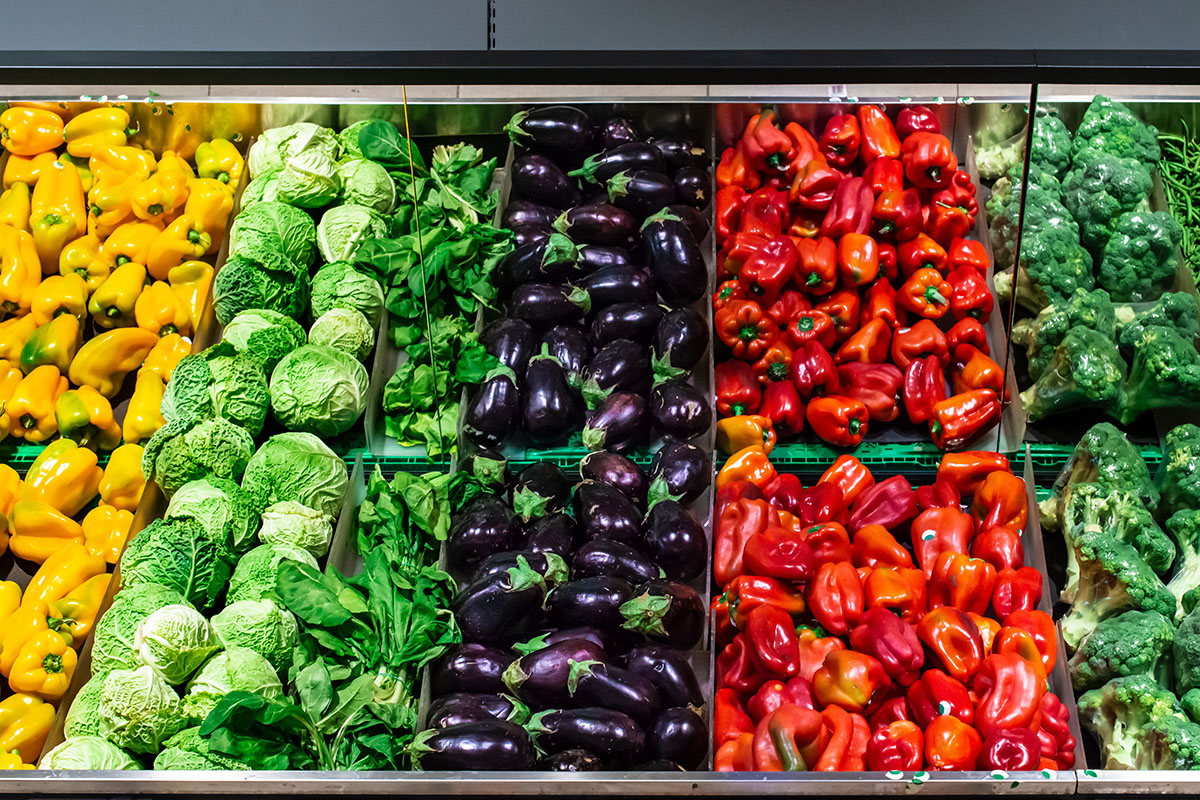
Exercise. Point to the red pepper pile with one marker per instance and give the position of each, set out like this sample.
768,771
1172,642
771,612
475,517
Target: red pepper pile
842,649
848,288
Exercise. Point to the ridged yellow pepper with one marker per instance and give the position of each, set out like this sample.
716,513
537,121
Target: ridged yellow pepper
159,311
14,206
25,722
10,490
130,242
220,160
210,203
20,270
24,624
13,333
10,378
161,361
160,197
53,344
143,417
110,205
58,213
26,169
44,666
29,413
105,529
10,599
122,162
183,240
82,257
85,172
123,481
12,761
104,361
190,281
62,108
76,613
39,530
58,295
63,572
65,476
85,416
112,304
96,129
170,161
29,131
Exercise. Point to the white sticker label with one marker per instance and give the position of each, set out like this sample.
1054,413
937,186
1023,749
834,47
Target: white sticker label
837,90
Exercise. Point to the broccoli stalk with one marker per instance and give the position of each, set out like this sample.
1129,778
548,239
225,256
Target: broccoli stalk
1105,457
1086,370
1139,259
1178,477
1164,373
1120,712
1132,643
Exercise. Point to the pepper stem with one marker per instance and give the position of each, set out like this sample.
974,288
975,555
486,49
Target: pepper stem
737,410
854,426
52,663
932,295
748,332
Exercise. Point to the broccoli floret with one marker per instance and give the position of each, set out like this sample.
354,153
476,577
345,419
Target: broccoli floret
181,451
1100,188
1086,370
259,277
1185,527
1112,578
1176,310
1170,743
1043,208
1191,704
1132,643
218,382
1139,259
1120,712
1051,144
1105,457
1112,128
1178,477
1042,334
1164,372
1185,653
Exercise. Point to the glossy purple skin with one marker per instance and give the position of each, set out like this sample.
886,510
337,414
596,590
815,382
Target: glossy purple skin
680,409
636,321
499,744
674,539
549,411
589,601
615,132
525,212
617,284
555,533
669,670
603,511
694,186
616,470
610,557
461,708
684,469
540,678
681,339
608,686
492,411
620,423
615,737
678,735
599,223
538,178
486,526
512,341
470,667
676,265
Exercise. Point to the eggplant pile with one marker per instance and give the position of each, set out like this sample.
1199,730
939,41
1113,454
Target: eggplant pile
600,334
576,613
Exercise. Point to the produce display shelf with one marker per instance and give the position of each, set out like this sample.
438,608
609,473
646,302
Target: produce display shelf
1049,458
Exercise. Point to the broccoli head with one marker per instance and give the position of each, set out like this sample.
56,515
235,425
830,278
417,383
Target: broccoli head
1051,144
1119,714
1170,743
1086,370
1176,310
1100,188
259,277
1164,372
1139,259
1178,477
1190,702
1112,128
1121,515
1185,527
1185,652
182,451
218,382
1112,578
1043,208
1042,334
1132,643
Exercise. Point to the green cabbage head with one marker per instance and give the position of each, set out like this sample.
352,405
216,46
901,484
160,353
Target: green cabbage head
236,669
319,390
88,752
175,641
138,710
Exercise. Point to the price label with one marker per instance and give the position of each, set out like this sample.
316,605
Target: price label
837,90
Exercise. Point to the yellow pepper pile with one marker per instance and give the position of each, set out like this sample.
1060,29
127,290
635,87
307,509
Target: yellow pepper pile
106,253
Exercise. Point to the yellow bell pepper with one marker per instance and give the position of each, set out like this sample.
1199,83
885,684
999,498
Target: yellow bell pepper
25,722
220,160
110,205
160,197
26,169
183,240
209,203
12,761
65,476
10,490
58,212
10,599
96,129
166,354
76,613
39,530
58,295
63,572
130,242
82,257
190,282
44,666
112,305
143,417
24,624
159,311
29,131
103,362
85,416
14,206
53,344
122,162
170,161
85,172
105,529
123,481
10,378
20,270
30,411
13,333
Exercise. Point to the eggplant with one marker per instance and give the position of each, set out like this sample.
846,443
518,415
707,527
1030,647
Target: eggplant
553,533
484,527
670,671
470,667
611,735
551,567
679,471
616,132
595,256
549,260
680,153
525,212
610,557
620,423
634,155
461,708
490,467
549,412
589,601
494,744
570,346
601,638
492,409
530,234
548,304
641,192
597,223
636,321
510,340
694,187
674,539
500,608
678,735
677,623
676,266
618,471
679,342
606,686
695,220
543,678
618,284
537,178
541,488
603,511
620,366
563,130
575,760
680,409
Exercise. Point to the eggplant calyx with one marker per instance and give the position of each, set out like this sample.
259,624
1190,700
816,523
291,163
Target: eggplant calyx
664,370
559,250
594,438
659,490
557,571
662,216
489,471
520,712
501,371
644,614
419,746
578,670
514,130
529,505
523,576
593,395
618,185
588,170
580,297
514,677
535,726
532,646
545,355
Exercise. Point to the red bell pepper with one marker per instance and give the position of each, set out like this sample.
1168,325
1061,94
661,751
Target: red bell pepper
737,388
967,253
962,582
841,139
951,744
890,503
812,326
813,371
874,546
969,295
768,148
936,694
877,386
735,526
730,719
889,261
958,419
806,224
728,203
850,211
751,463
924,387
897,215
966,471
835,597
1017,590
880,304
815,645
771,635
776,553
736,669
988,629
938,494
726,292
736,755
842,307
775,694
790,739
920,253
782,405
925,293
929,161
893,643
922,339
737,250
1054,734
973,369
885,174
946,223
733,491
762,215
820,504
850,679
868,345
1015,749
788,308
894,709
735,169
879,137
773,365
745,329
899,745
840,421
850,475
745,593
1000,546
814,186
1020,642
958,194
953,638
937,531
805,149
899,590
828,541
770,268
1040,626
912,119
817,270
1010,693
1001,499
849,736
